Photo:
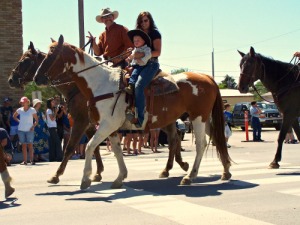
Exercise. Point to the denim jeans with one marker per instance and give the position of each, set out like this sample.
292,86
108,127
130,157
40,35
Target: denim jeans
135,74
144,79
256,126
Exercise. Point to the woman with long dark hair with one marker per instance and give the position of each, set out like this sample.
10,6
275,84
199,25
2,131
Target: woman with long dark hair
146,23
55,149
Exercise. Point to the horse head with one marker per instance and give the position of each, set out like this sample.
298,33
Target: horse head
250,66
58,60
26,67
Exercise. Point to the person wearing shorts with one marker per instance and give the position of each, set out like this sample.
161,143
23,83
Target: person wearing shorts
26,128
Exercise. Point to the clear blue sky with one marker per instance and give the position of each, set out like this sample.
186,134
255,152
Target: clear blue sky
272,27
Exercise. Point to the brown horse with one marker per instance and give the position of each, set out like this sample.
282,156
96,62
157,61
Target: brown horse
24,72
282,79
6,178
198,95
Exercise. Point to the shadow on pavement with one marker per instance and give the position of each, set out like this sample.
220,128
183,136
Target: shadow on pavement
9,203
201,187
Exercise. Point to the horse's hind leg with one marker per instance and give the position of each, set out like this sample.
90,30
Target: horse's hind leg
199,130
9,190
174,148
100,168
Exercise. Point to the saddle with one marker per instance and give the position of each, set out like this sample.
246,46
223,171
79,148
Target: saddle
161,85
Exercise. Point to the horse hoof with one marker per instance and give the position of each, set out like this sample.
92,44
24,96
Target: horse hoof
186,181
97,178
9,191
185,166
116,185
53,180
226,176
164,174
85,184
274,165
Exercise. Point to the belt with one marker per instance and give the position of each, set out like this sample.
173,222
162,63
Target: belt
153,60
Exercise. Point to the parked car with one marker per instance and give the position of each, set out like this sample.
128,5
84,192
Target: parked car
270,116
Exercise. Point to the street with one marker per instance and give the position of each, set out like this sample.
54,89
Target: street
254,195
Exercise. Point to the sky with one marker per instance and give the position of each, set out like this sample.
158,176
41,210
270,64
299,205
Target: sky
190,29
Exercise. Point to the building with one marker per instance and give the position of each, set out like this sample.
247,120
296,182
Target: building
11,42
233,96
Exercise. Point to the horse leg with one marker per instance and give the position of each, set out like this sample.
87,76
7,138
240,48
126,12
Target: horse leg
100,168
77,132
116,146
6,178
199,130
169,130
283,131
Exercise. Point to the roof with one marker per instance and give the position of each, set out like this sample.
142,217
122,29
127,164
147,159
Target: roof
233,93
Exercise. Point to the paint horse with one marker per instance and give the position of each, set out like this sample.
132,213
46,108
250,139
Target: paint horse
6,178
282,79
23,74
198,95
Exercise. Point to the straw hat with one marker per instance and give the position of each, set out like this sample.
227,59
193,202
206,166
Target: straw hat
36,101
106,12
140,33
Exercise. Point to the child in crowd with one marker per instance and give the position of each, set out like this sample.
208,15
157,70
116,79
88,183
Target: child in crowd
227,118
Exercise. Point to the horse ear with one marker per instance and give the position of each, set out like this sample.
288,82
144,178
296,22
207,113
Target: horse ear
52,40
61,40
252,52
31,47
241,53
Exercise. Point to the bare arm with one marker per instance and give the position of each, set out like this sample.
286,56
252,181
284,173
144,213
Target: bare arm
4,142
157,48
35,122
15,116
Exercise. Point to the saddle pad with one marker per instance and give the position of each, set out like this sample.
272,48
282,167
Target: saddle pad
163,84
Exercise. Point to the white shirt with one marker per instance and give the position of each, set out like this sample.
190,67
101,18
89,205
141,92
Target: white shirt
50,123
145,49
26,118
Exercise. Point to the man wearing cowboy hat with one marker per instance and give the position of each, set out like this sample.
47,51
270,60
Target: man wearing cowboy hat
114,40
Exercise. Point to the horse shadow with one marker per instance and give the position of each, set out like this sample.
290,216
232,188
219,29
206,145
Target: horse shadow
201,187
9,203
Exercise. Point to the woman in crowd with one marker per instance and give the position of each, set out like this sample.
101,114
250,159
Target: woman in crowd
26,128
41,133
55,149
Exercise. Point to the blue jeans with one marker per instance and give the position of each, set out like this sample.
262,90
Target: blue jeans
144,79
256,126
135,74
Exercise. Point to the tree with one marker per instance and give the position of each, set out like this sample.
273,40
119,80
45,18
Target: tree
228,82
181,70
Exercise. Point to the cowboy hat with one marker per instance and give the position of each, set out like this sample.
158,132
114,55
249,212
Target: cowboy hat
140,33
106,12
36,101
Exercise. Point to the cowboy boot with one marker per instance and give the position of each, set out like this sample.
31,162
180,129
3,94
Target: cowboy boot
129,89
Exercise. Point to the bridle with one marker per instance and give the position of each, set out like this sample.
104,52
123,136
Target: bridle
69,70
33,60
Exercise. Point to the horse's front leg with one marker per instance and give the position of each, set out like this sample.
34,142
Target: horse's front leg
77,132
100,168
283,131
116,146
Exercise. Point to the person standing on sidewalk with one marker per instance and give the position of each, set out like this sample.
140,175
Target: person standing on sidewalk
55,148
26,128
255,111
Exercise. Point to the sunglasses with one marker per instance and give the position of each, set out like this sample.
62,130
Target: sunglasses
106,17
145,21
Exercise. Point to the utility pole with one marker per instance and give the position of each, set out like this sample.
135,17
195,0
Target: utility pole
212,54
81,23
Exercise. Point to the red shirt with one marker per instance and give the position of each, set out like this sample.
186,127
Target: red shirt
114,41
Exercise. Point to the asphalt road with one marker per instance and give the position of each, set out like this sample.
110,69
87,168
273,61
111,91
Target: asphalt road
254,195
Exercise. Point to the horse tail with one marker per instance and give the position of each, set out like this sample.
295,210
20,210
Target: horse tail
217,130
